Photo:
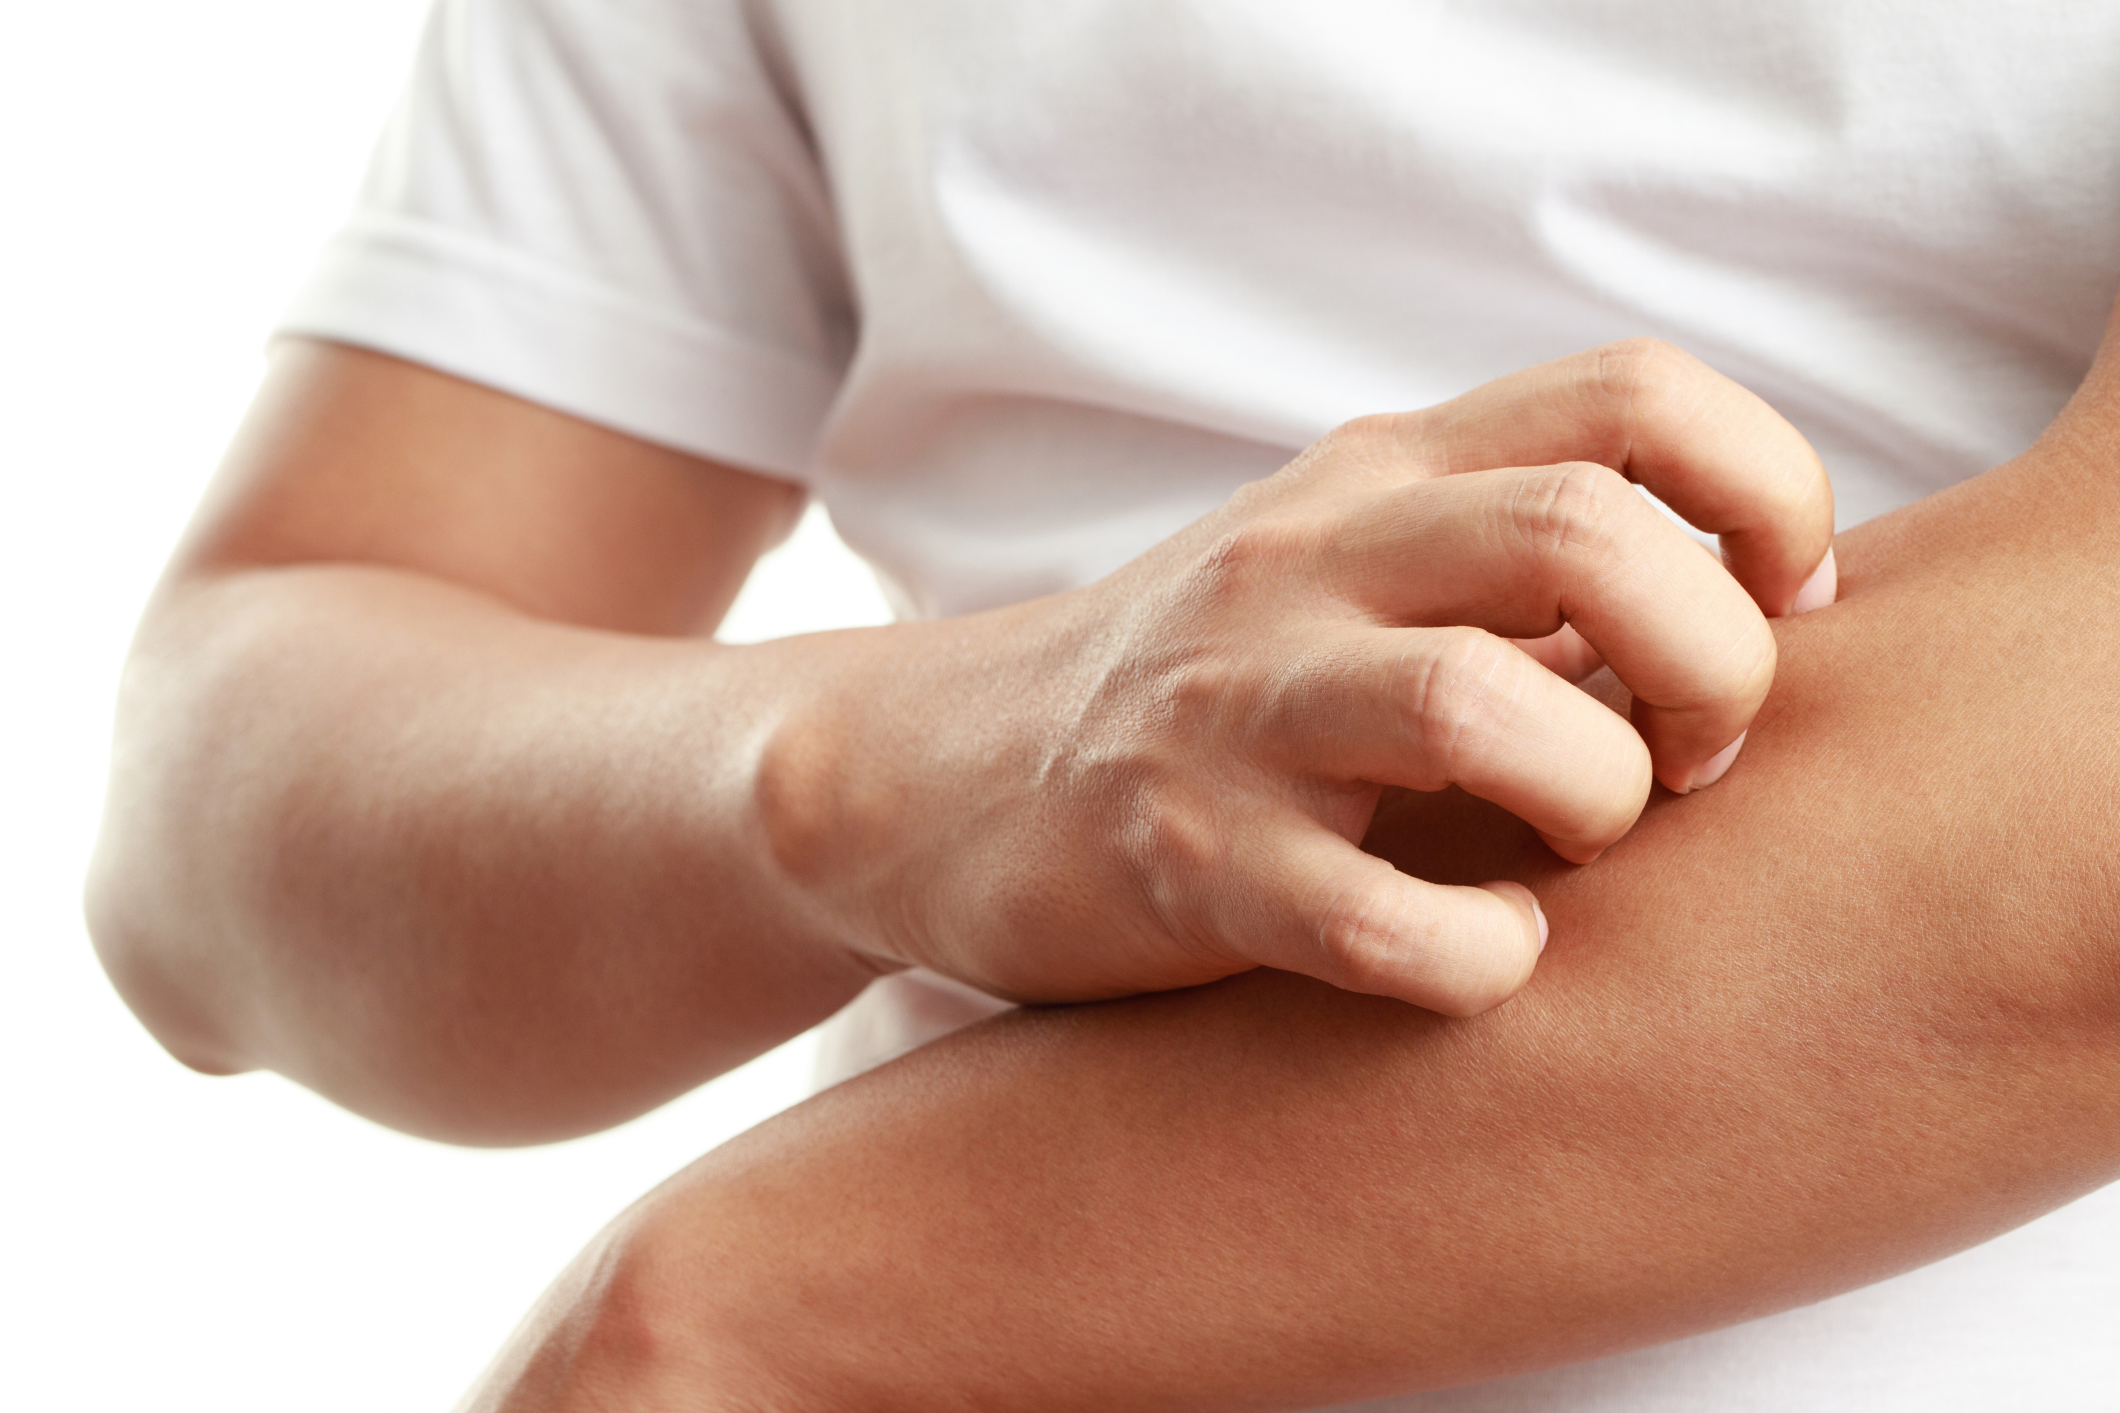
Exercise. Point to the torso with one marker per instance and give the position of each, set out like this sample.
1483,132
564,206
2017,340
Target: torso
1111,261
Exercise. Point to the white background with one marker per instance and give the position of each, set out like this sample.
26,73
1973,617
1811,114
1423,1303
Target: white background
169,1241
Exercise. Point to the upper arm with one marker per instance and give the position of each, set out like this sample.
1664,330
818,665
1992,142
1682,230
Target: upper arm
349,456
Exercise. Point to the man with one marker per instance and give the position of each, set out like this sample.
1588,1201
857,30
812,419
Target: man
429,800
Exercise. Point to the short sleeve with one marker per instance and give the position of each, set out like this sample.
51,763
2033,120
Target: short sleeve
610,207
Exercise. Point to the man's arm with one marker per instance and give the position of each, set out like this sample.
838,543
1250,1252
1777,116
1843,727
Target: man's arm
421,787
1856,1008
429,794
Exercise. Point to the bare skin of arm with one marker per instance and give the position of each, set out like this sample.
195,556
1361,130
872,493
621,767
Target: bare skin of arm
1854,1009
415,793
431,794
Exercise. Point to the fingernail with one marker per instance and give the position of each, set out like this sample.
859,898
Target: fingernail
1819,590
1717,765
1544,931
1573,853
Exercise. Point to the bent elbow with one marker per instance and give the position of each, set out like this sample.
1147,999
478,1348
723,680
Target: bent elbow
144,965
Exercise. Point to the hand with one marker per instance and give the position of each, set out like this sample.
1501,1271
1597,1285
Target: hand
1855,1009
1161,779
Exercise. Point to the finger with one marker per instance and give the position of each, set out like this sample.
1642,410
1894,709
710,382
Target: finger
1428,708
1564,654
1706,446
1518,552
1318,905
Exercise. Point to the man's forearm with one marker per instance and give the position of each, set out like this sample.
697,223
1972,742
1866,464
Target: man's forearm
475,874
1855,1008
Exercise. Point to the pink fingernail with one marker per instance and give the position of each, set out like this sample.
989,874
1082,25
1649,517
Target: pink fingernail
1717,765
1819,590
1544,931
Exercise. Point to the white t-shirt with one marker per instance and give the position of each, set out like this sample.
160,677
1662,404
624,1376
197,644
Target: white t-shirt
1018,290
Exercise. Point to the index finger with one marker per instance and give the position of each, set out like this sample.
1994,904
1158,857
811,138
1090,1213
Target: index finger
1703,444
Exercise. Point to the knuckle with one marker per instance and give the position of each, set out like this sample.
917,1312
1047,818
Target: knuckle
1377,443
1166,837
1576,506
1742,674
1445,694
1366,431
1259,551
1636,370
1199,696
1357,937
1634,775
1160,813
1605,821
1784,486
1735,678
1175,853
1257,498
1380,445
1803,492
1614,775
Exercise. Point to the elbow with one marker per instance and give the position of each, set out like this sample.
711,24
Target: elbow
144,901
407,1069
147,967
167,983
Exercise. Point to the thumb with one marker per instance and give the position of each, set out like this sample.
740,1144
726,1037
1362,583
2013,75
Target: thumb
1351,919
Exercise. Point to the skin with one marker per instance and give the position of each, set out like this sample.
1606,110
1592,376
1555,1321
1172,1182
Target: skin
1857,1007
462,602
403,750
431,794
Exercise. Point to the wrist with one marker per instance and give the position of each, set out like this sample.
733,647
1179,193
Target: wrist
827,783
878,778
